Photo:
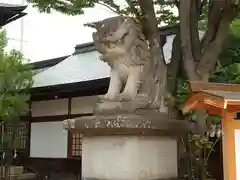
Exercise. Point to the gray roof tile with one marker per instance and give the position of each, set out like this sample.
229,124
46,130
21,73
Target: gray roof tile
75,68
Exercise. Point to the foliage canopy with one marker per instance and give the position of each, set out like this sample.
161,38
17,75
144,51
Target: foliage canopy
15,81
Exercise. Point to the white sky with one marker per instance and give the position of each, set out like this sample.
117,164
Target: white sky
52,35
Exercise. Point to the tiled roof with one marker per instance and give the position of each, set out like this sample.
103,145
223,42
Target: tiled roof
75,68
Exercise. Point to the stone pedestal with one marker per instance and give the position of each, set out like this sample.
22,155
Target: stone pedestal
129,157
129,147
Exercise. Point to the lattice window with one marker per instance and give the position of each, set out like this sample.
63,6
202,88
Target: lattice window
21,135
76,144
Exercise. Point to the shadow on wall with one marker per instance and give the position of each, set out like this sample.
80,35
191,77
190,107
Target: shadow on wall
56,169
215,162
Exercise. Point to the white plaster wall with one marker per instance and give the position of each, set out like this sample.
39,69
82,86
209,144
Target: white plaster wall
237,152
50,108
126,157
83,105
48,140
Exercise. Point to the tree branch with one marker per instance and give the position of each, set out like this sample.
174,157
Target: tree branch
149,17
158,67
194,18
212,50
173,70
150,26
214,18
185,32
133,9
174,66
109,7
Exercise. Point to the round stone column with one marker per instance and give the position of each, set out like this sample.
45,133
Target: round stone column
129,147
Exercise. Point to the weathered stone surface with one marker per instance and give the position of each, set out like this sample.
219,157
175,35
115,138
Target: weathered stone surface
129,158
146,123
123,46
111,107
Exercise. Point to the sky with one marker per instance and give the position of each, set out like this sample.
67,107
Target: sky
47,36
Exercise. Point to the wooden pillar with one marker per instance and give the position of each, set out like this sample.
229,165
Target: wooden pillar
229,150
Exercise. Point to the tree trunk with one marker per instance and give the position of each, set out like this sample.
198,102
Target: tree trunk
173,70
158,68
186,45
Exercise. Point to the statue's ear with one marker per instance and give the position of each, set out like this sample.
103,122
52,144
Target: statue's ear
95,25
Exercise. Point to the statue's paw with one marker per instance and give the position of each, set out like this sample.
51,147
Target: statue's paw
124,97
101,97
106,97
110,39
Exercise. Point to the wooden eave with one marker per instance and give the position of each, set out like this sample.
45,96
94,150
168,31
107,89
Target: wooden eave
213,97
9,13
86,88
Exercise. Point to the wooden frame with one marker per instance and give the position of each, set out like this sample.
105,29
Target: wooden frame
74,141
53,118
21,135
70,140
225,107
229,160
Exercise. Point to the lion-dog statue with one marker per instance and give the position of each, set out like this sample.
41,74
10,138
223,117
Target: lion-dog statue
122,45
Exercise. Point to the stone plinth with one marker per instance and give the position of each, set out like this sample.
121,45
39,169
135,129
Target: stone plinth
129,147
129,157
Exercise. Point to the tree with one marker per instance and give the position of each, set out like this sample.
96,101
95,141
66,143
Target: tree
15,81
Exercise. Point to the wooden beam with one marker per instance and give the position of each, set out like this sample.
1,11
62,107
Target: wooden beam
197,86
203,100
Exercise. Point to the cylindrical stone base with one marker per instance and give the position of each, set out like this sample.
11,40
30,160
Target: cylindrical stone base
129,158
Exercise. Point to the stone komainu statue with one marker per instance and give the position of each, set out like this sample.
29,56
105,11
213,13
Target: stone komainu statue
122,45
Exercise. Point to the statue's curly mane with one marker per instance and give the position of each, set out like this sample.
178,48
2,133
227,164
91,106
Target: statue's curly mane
116,51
